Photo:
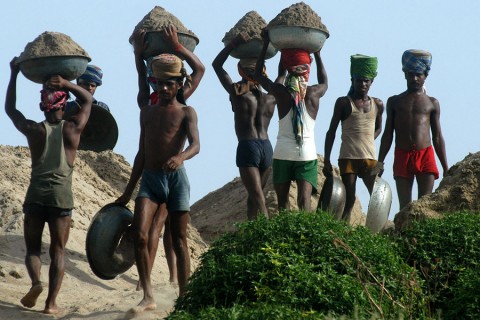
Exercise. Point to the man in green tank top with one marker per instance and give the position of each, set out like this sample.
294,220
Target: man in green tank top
53,145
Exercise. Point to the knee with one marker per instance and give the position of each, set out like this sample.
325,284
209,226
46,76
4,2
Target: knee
141,239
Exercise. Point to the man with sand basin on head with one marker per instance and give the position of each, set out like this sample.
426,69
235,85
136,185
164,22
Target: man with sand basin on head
361,118
164,189
53,144
253,111
411,116
295,155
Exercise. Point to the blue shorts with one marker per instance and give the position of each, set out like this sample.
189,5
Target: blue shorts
254,153
170,187
46,212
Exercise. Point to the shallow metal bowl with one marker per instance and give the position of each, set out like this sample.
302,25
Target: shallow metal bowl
40,69
110,248
333,197
252,49
156,44
379,205
285,37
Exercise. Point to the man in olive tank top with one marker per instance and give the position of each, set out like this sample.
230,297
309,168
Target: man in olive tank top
361,118
53,145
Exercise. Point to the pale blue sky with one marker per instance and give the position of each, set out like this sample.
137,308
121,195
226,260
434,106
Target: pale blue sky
374,27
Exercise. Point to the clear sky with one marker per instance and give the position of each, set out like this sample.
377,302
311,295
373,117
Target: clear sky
380,28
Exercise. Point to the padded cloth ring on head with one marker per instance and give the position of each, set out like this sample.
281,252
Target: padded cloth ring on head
51,100
92,74
417,61
362,66
166,66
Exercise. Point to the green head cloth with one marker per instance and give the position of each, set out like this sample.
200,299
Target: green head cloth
362,66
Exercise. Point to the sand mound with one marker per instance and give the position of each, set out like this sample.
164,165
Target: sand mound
299,15
157,19
218,211
458,191
51,44
251,23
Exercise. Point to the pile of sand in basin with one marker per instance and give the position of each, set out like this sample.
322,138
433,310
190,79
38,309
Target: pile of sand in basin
299,15
50,44
157,19
251,24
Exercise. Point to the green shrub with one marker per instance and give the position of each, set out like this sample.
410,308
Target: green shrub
443,250
306,262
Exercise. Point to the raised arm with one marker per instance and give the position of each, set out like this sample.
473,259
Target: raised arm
198,69
21,123
264,81
322,78
139,46
220,59
437,136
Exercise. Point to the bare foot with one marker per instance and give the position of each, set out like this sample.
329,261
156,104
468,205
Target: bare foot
144,305
30,299
52,310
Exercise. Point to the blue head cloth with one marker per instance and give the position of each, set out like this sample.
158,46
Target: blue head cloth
417,61
92,74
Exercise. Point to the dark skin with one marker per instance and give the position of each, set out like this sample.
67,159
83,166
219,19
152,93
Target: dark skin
252,113
165,128
33,224
143,98
341,112
284,104
414,118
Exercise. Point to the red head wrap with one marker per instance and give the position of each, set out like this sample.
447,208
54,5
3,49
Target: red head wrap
294,57
52,100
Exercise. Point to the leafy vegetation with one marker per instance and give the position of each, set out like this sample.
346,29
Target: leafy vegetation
309,264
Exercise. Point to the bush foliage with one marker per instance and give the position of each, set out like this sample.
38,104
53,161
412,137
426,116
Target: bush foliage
308,263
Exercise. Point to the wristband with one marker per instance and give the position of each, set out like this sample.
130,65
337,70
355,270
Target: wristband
177,47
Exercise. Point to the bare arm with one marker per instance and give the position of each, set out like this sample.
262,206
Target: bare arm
220,59
378,119
193,141
21,123
321,75
330,136
198,69
139,46
437,136
387,137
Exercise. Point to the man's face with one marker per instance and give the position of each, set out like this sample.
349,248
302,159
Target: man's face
415,80
90,86
361,85
167,89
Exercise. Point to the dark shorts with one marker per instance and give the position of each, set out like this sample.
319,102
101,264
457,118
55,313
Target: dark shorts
46,212
254,153
360,167
170,187
285,171
408,163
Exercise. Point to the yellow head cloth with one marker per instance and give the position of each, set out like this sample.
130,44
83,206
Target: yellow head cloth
166,66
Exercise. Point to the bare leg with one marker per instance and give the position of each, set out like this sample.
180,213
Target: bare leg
252,181
145,210
32,230
178,227
404,191
170,252
350,183
282,190
59,232
304,196
425,184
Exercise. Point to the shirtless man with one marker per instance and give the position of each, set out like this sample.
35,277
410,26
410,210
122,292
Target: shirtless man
53,145
295,155
361,118
412,115
164,190
144,97
253,111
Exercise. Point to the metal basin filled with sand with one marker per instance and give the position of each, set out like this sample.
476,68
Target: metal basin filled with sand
286,37
40,69
252,49
156,43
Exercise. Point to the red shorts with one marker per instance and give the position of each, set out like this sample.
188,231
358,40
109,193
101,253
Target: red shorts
409,163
